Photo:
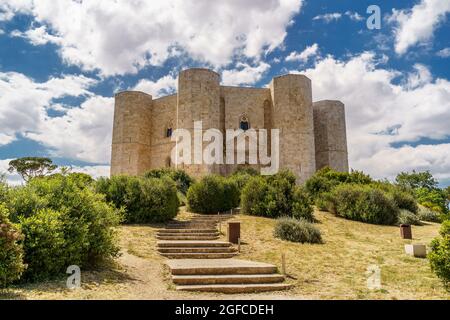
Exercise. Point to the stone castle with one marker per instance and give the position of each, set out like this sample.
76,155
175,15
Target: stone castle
311,135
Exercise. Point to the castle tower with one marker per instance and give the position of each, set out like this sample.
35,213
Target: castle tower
131,147
330,135
292,114
199,100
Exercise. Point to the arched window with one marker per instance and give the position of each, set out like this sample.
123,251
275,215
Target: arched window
169,129
169,132
244,124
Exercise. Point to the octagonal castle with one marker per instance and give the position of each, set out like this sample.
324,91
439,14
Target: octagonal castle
311,135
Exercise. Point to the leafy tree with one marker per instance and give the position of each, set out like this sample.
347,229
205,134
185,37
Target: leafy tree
30,167
416,180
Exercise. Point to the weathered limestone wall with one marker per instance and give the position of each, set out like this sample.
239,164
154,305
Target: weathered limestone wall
292,114
163,117
199,99
239,102
330,135
131,133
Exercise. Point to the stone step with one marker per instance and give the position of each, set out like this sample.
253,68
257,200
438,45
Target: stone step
215,233
197,224
187,230
190,244
227,279
187,237
196,249
218,266
235,288
200,255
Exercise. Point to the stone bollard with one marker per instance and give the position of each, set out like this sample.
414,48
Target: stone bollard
417,250
234,231
405,231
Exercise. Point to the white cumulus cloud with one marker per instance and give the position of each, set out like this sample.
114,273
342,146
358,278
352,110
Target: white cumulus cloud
328,17
163,86
304,55
416,25
123,36
444,53
244,74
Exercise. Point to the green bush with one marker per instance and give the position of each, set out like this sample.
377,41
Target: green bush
276,196
213,194
363,203
114,189
182,179
301,205
150,200
145,200
444,231
253,197
429,215
69,218
439,255
407,217
11,252
44,245
325,179
435,199
404,200
297,230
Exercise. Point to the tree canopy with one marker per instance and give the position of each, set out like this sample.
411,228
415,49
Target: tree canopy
416,180
30,167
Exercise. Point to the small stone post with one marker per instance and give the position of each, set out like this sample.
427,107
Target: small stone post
283,263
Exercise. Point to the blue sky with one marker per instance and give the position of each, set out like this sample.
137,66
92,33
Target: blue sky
62,61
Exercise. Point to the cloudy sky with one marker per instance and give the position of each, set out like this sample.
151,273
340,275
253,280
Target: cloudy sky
62,61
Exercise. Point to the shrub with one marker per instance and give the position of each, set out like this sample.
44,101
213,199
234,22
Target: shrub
434,199
71,224
363,203
276,196
407,217
253,197
297,230
323,201
318,185
404,200
182,179
11,252
213,194
326,179
444,231
150,200
301,205
114,189
44,245
429,215
439,256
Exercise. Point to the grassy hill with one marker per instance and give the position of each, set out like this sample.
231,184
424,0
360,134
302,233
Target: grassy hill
333,270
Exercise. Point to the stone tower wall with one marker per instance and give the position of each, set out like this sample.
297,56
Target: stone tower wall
164,112
330,135
198,99
292,114
131,142
243,101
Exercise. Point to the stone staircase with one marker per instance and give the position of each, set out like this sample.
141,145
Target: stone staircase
200,262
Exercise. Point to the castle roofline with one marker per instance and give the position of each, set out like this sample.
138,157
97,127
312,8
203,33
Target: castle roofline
132,91
200,69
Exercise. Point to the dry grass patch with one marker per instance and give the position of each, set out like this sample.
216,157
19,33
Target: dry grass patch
337,268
